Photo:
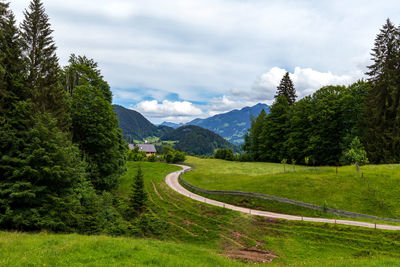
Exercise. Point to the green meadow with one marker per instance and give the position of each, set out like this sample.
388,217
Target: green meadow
374,190
191,233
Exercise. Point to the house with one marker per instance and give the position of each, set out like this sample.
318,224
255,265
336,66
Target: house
149,149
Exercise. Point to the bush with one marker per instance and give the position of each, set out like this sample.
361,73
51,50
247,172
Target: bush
224,153
356,153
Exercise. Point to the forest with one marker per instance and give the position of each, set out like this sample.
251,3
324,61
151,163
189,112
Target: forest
336,125
62,151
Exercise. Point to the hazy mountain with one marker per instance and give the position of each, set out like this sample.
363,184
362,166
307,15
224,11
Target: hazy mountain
197,140
231,125
171,124
136,127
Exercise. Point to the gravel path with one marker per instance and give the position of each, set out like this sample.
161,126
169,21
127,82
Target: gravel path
172,181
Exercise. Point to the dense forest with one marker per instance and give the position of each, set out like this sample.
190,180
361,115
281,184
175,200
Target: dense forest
61,149
337,124
196,140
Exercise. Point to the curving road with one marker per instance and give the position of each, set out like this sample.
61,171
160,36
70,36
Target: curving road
172,181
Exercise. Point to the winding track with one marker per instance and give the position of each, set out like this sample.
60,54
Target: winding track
172,181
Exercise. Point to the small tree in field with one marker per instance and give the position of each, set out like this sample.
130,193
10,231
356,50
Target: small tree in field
138,196
284,161
356,153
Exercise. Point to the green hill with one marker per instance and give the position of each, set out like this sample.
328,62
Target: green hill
197,140
373,191
136,127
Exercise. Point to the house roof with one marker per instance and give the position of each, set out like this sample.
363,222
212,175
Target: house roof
131,146
148,148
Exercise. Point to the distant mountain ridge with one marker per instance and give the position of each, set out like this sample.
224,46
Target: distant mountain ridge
190,138
231,125
136,127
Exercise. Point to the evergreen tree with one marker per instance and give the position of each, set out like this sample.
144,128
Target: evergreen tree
287,89
37,188
251,145
95,129
42,64
11,64
81,70
274,132
382,135
138,196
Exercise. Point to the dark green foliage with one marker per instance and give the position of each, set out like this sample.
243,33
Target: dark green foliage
95,129
41,64
136,155
320,126
37,190
82,70
138,196
136,127
286,88
382,125
171,155
274,131
223,153
11,64
196,140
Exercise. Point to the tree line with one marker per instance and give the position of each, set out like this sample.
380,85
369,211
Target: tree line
61,150
337,124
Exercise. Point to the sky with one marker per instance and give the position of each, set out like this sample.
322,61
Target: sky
178,60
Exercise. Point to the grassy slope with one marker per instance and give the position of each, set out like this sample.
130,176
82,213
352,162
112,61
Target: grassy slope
42,249
197,233
345,190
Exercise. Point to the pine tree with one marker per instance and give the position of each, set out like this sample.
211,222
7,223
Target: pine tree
42,64
252,143
11,64
138,196
287,89
382,135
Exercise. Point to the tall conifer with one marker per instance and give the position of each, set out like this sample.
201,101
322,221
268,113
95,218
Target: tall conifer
287,89
42,63
382,137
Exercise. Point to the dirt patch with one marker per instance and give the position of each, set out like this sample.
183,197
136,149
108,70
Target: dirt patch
253,255
208,213
156,191
237,235
187,222
258,220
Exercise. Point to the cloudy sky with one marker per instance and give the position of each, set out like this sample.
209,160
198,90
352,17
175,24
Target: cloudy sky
181,59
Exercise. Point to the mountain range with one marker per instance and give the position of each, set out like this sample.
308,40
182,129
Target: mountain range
189,138
231,125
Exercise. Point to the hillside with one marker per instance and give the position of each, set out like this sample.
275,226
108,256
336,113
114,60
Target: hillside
136,127
231,125
373,191
197,140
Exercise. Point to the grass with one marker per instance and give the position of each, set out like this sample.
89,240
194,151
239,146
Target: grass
199,235
19,249
374,190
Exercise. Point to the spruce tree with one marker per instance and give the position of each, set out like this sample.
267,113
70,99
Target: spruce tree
11,64
287,89
382,133
42,65
138,196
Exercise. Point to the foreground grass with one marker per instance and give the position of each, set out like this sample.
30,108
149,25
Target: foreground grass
196,234
294,243
375,190
43,249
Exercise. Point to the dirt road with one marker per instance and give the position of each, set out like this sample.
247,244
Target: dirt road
172,181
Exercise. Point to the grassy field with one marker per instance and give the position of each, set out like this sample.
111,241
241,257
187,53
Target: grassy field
197,234
375,190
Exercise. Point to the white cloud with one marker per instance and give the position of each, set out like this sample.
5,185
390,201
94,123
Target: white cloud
167,108
306,82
